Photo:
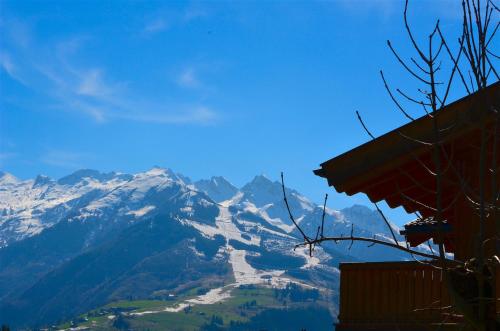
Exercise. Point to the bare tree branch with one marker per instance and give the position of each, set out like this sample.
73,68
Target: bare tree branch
394,99
364,126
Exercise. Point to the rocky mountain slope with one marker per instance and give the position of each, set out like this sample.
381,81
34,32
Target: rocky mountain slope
77,243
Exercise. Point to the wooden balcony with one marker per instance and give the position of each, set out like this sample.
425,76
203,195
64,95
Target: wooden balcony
393,296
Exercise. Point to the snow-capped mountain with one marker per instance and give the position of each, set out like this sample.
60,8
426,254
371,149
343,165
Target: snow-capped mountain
89,238
217,187
28,207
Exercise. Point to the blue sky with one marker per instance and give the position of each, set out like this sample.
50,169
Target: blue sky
205,88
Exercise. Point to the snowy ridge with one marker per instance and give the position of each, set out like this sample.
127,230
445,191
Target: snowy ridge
208,234
249,215
28,207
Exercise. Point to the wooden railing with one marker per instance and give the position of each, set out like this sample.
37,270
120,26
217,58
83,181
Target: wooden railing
392,296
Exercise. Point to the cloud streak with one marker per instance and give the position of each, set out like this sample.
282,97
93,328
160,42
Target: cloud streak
198,114
187,78
165,20
8,66
64,159
5,157
155,26
90,90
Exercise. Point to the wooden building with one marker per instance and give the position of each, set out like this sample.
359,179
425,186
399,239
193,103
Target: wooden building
398,168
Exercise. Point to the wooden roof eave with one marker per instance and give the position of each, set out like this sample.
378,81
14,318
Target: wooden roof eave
365,165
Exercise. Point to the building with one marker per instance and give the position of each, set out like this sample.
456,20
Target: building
400,168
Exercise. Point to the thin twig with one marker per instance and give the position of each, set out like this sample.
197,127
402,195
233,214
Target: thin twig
393,98
364,126
387,223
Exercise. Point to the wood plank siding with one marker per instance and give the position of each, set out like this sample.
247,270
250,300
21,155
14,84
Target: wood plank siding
393,296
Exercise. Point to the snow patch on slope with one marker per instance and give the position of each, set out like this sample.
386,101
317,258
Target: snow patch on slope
213,296
245,274
142,211
277,222
224,226
311,261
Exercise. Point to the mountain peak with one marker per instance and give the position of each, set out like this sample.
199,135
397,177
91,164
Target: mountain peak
168,173
79,175
219,180
262,178
6,178
260,182
42,180
159,171
366,218
261,191
217,187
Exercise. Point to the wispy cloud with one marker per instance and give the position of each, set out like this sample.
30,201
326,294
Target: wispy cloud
187,78
198,114
163,20
194,12
17,30
8,66
91,84
5,157
53,71
64,159
155,26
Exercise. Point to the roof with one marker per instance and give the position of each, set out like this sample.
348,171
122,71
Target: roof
393,167
424,225
423,229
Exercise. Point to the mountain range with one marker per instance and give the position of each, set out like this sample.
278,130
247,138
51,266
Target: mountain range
71,245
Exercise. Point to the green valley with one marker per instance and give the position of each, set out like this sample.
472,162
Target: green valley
242,308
